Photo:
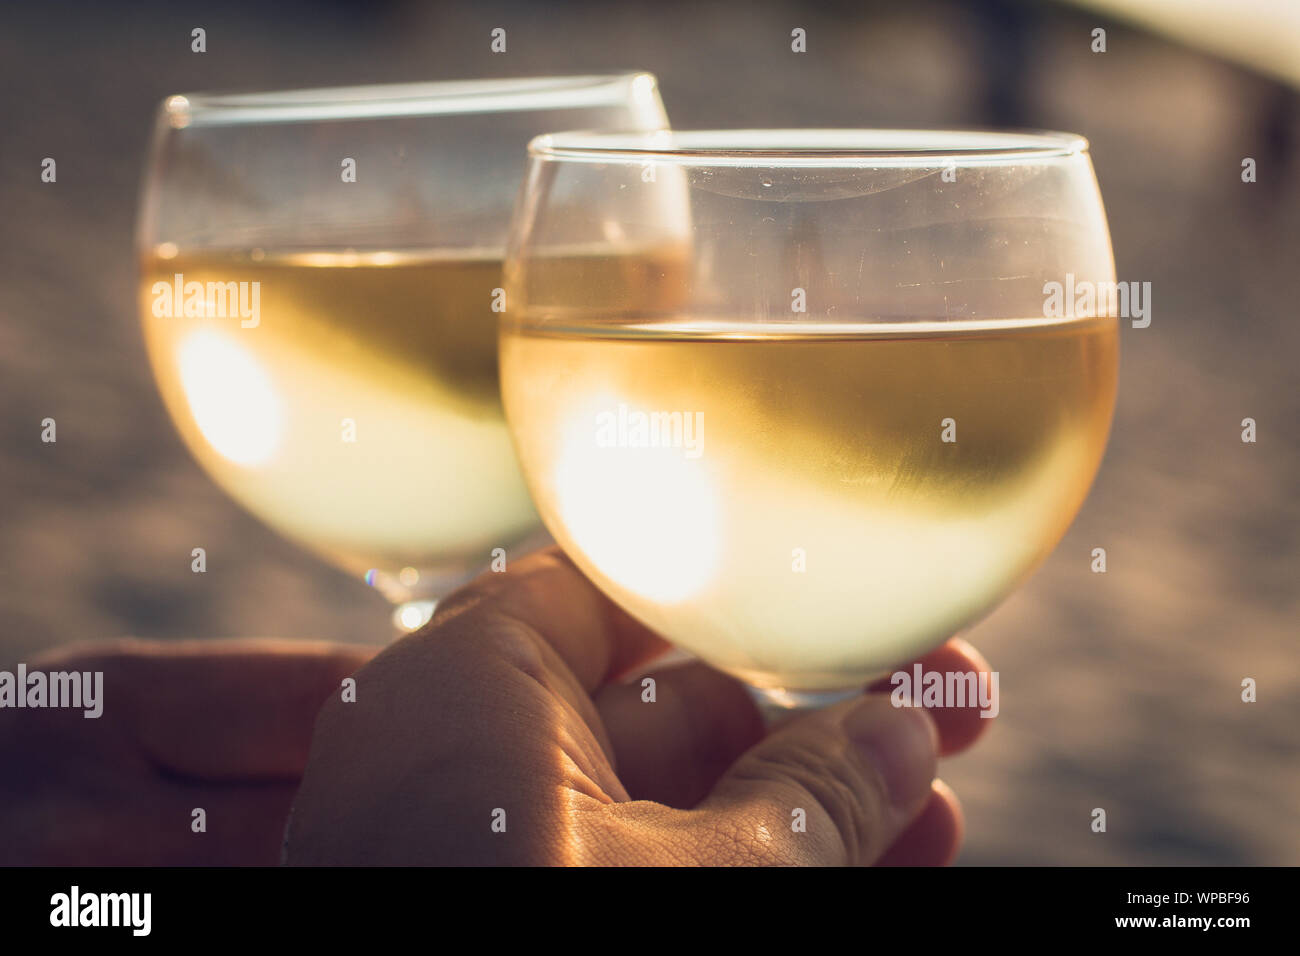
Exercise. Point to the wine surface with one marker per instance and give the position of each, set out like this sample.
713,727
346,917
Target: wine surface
781,499
358,412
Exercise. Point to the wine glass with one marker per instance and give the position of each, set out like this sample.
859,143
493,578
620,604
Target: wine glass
823,415
320,277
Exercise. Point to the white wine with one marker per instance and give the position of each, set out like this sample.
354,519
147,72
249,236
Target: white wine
781,499
357,411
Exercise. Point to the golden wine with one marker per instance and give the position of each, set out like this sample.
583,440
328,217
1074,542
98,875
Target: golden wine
808,506
349,400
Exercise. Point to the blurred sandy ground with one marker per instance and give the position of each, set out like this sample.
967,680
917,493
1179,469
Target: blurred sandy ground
1119,690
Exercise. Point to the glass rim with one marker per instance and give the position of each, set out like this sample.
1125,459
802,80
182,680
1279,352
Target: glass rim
854,148
431,98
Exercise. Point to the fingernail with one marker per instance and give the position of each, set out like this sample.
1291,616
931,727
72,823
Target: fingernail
901,742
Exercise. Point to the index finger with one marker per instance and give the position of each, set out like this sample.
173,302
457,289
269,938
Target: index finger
595,638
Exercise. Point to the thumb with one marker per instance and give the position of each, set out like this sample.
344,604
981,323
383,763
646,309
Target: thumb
860,771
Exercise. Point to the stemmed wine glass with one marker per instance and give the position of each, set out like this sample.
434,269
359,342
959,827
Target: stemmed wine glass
320,279
812,411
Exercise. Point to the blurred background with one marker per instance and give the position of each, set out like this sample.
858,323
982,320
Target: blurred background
1119,690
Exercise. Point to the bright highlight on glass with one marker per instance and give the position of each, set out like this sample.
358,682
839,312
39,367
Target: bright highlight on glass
678,508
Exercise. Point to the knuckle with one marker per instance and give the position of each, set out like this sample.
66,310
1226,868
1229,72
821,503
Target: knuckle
833,788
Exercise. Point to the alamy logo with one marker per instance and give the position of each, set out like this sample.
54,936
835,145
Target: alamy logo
952,689
74,689
1083,299
75,908
632,428
208,300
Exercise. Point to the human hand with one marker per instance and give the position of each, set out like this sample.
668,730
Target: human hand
218,725
509,700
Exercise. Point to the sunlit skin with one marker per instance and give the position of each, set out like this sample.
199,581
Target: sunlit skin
509,698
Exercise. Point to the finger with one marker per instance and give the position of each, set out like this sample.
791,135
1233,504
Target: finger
244,821
596,639
221,709
245,826
859,771
673,749
934,837
452,726
959,727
